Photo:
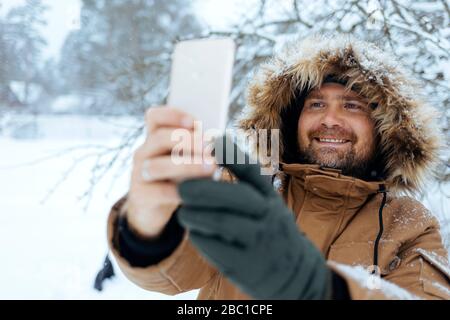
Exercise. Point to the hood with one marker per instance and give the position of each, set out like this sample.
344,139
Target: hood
409,139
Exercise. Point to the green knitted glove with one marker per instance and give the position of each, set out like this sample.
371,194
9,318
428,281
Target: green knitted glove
248,233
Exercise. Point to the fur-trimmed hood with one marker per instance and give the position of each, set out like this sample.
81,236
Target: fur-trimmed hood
409,138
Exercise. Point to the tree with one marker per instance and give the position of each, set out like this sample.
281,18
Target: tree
121,54
24,43
416,32
8,65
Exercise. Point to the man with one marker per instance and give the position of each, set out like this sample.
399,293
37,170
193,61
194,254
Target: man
354,138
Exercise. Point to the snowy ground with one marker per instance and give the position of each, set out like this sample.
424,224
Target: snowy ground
53,249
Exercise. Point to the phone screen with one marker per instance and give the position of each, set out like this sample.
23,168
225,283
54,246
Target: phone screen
201,79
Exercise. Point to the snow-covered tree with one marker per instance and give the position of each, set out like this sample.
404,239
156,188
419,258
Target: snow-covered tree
121,54
24,44
21,45
416,32
7,66
120,58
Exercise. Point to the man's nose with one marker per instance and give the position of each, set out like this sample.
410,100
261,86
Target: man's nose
332,117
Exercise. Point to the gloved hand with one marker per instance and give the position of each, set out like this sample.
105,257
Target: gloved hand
248,233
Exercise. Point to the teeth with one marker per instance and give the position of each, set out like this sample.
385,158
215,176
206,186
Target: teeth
331,140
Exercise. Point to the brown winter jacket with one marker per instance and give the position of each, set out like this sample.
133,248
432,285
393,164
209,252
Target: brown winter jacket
339,214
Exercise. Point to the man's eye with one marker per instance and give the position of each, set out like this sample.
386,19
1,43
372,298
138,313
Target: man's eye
316,105
352,106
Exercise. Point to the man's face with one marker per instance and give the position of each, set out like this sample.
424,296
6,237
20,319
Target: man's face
335,129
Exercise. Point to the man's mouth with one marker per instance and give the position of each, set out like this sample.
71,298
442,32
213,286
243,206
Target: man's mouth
332,141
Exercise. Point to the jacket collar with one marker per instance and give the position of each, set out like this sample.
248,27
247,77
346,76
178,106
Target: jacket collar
317,180
324,200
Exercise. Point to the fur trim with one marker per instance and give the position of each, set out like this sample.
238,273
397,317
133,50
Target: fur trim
405,123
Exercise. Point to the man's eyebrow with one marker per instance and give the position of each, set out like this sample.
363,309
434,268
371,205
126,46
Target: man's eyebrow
353,98
347,97
315,95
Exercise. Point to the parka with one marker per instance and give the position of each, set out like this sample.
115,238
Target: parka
361,227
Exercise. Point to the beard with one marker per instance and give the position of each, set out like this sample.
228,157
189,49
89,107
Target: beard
351,162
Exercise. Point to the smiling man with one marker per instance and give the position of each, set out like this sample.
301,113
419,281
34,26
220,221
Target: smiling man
355,138
336,130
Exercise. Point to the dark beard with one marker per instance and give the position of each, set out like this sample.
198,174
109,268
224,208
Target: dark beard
350,164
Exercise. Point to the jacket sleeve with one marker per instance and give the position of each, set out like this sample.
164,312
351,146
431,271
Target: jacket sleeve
423,272
184,270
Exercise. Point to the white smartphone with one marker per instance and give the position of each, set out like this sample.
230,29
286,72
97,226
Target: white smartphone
200,80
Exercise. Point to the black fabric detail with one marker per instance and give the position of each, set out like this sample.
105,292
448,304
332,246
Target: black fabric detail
339,287
381,228
143,253
106,272
334,79
289,127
